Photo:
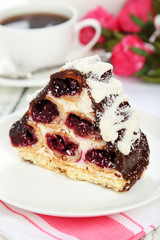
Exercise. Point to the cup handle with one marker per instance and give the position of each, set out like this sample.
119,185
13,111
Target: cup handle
78,49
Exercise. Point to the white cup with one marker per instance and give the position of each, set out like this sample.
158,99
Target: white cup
32,49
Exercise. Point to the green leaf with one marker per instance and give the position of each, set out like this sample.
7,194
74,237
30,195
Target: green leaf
118,35
99,45
140,51
137,20
150,17
151,79
157,39
147,30
142,37
106,33
110,44
143,71
157,46
155,73
153,76
156,6
154,60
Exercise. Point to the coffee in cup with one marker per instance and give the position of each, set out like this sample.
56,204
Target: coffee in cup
34,20
35,36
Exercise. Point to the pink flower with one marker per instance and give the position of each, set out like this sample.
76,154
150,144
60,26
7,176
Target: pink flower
139,8
124,60
105,19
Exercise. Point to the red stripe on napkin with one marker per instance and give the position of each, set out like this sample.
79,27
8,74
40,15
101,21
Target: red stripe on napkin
138,236
140,226
90,228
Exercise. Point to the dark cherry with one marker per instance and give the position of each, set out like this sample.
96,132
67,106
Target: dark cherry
101,158
62,145
69,86
21,134
44,111
81,127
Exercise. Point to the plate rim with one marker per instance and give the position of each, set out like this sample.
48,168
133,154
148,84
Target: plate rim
80,215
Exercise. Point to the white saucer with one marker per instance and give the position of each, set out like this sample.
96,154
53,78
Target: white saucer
39,190
39,79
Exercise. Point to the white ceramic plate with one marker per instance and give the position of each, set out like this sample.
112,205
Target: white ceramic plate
39,190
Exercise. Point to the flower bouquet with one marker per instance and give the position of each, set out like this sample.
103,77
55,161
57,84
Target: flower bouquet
133,37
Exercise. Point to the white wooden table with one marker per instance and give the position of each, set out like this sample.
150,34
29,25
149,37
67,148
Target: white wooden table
143,96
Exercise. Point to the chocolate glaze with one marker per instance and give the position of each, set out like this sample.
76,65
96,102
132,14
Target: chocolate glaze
106,76
138,156
41,95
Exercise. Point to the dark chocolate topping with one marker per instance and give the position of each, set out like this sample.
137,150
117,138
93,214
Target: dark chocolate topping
106,76
129,165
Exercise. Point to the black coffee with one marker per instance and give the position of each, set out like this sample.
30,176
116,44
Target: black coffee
34,20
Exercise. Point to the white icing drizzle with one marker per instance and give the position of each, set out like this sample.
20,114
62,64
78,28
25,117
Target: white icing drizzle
113,118
110,122
100,90
89,64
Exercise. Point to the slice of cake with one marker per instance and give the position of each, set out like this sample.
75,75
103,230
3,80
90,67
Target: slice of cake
81,124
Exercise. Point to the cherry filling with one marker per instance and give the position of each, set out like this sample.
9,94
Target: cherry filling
81,127
21,134
102,158
62,145
69,86
44,111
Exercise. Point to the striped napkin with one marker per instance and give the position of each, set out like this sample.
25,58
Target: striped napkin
19,224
